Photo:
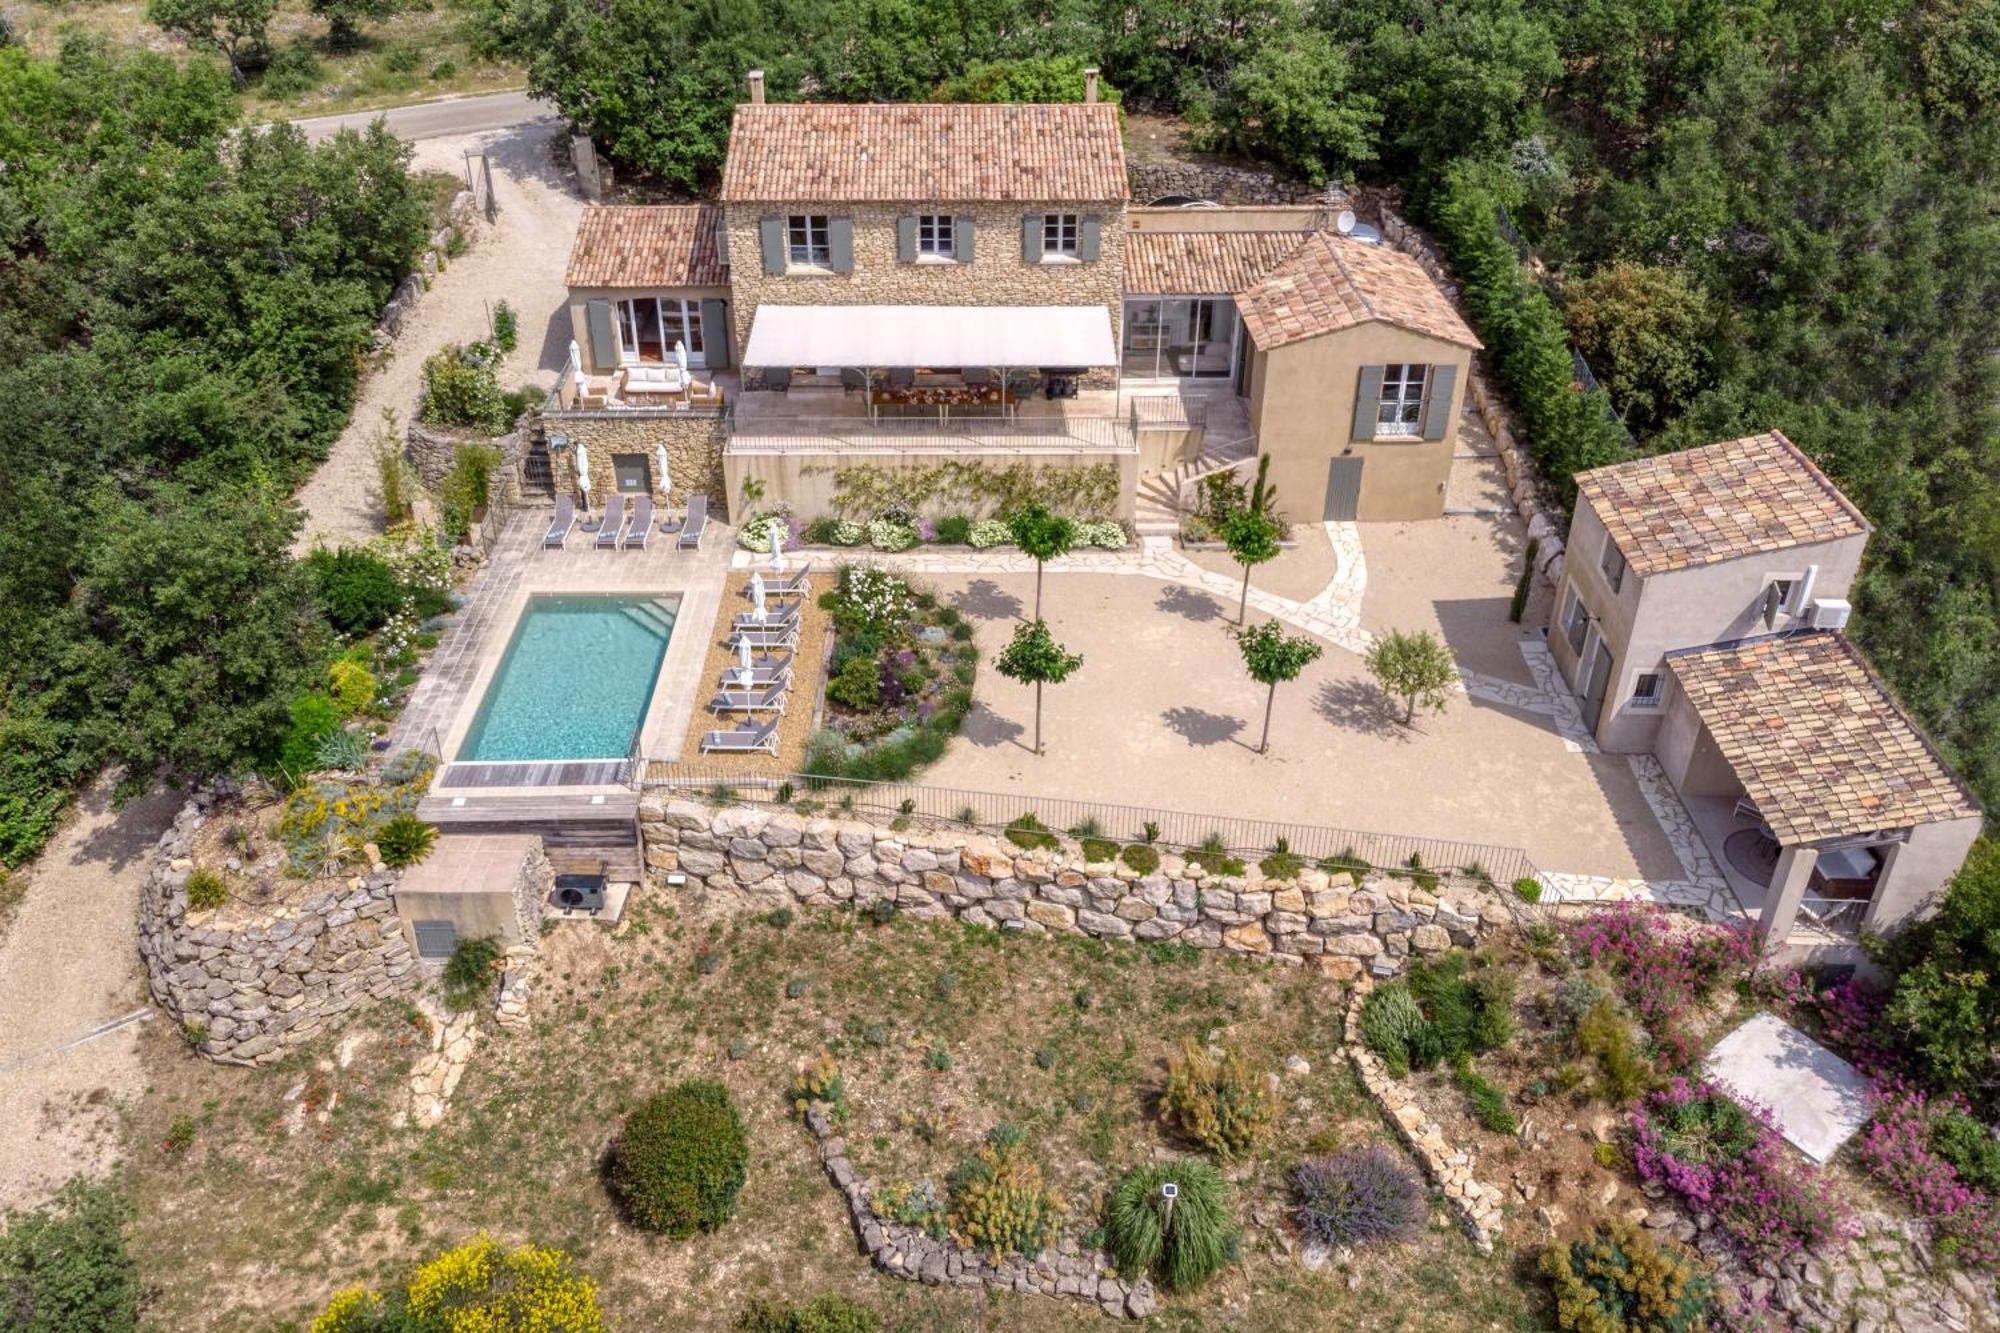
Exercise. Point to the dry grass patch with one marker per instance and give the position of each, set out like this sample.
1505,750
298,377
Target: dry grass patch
298,1179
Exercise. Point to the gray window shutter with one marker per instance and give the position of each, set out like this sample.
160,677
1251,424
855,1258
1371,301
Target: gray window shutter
1031,238
772,232
715,333
603,341
840,243
906,240
1367,398
1437,410
961,238
1089,237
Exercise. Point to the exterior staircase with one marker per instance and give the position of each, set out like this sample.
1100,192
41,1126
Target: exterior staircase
1157,506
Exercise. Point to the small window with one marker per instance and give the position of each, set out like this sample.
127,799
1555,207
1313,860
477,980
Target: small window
1576,622
1400,409
1647,692
936,238
1059,235
634,473
1613,565
809,244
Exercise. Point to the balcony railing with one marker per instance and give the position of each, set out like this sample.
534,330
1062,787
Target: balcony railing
1835,916
915,435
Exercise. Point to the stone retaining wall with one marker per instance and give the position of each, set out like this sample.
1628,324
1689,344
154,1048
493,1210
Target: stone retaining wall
433,452
1449,1168
1224,185
259,988
774,856
1068,1272
411,289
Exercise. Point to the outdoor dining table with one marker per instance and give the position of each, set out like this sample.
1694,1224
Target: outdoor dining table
943,397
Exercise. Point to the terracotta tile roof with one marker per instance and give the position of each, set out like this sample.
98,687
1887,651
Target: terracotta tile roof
648,246
1718,502
909,153
1335,282
1816,738
1203,263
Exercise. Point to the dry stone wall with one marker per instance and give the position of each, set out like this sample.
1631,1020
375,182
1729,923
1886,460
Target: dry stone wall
775,856
253,990
694,452
410,291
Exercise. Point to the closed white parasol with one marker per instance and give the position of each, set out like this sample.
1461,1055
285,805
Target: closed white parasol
778,530
663,479
757,606
744,668
576,366
583,473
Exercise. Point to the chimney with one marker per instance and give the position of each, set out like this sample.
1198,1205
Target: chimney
1090,83
757,87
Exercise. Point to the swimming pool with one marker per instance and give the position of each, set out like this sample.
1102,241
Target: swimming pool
575,681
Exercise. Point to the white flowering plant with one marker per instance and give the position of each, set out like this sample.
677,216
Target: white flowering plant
1106,534
989,532
872,600
887,534
755,534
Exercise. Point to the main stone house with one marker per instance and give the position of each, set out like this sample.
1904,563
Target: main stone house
900,285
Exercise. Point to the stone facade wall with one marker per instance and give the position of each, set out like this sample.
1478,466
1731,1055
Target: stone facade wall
433,450
1068,1273
1223,184
694,453
262,987
773,856
997,275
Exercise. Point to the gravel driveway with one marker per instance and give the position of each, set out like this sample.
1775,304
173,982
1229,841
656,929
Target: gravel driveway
519,257
70,963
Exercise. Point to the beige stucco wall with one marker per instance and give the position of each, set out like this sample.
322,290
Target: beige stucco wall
1302,408
694,453
1690,756
1243,217
579,297
1684,608
997,275
806,481
1922,868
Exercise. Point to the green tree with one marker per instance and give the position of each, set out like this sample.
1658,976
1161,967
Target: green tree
344,18
1646,331
1273,658
1034,657
1043,535
1292,102
1944,1009
1252,537
1414,666
1030,79
64,1267
239,30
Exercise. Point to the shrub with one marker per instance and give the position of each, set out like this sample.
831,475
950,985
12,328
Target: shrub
352,685
468,973
1182,1244
1905,1150
206,890
1944,1010
341,752
989,532
821,1314
64,1265
358,591
1029,833
1967,1144
998,1201
1666,968
1142,857
462,388
681,1159
1726,1159
1528,889
1220,1102
755,534
477,1286
857,685
1575,996
1390,1023
818,1082
404,840
1356,1196
954,530
1620,1281
1605,1034
1517,606
1488,1101
1105,533
506,327
315,716
886,534
1455,1015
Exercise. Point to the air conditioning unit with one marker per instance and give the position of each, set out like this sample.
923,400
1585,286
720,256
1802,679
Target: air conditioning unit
580,893
1829,613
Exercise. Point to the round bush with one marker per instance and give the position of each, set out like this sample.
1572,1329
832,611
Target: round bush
1182,1247
681,1160
1361,1194
358,591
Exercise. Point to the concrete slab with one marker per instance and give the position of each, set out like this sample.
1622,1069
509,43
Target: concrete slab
1819,1100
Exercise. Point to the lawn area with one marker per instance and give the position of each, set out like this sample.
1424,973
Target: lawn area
261,1192
421,53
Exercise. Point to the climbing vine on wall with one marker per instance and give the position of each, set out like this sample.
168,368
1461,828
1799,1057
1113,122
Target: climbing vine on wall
867,491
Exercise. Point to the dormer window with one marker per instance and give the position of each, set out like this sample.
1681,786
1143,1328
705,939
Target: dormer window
810,244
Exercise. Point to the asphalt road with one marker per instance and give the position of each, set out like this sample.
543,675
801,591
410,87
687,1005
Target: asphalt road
442,119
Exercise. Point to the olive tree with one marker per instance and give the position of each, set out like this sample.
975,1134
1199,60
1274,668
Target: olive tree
1414,666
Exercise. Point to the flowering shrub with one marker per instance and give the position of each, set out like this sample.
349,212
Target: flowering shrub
998,1201
1106,534
1621,1279
476,1286
1899,1149
1725,1157
1357,1195
1666,969
871,600
1847,1015
755,535
989,532
886,534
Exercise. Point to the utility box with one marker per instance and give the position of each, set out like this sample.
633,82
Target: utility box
474,886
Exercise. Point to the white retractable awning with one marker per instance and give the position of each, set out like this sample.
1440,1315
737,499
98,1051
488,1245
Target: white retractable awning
996,336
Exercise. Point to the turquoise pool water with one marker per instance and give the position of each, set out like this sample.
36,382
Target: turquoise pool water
575,681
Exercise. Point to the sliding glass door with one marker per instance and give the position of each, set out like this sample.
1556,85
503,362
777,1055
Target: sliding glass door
1180,337
649,326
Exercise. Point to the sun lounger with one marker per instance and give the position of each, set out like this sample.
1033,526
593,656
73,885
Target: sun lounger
744,740
641,526
613,526
788,614
697,523
792,585
770,699
560,525
766,636
760,677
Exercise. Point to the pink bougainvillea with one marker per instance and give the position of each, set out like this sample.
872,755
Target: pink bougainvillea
1723,1156
1896,1151
1665,966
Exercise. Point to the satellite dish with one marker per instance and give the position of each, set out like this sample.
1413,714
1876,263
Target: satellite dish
1344,223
